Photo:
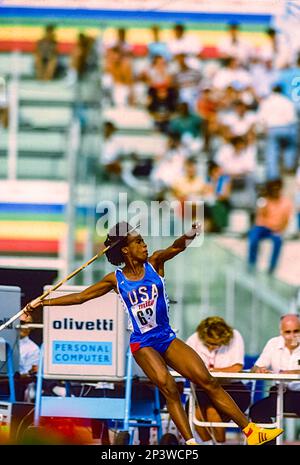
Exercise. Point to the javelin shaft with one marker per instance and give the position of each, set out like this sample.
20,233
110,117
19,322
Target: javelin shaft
56,286
60,283
71,275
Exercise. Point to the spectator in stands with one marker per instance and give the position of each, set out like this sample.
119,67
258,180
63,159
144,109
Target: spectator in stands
248,96
227,97
272,217
24,378
158,47
278,117
189,187
206,108
183,44
80,56
93,58
157,74
234,46
118,76
169,166
222,349
187,81
188,125
281,354
240,122
278,50
120,41
217,198
29,350
28,363
136,172
238,160
46,55
3,103
112,151
162,102
263,76
231,74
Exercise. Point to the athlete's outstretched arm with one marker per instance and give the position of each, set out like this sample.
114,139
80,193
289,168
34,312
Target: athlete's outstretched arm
159,257
106,284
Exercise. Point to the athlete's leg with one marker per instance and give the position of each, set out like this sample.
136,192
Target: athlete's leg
208,413
201,430
155,368
213,415
187,362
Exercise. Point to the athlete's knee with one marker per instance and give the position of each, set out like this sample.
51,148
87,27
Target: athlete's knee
209,384
167,386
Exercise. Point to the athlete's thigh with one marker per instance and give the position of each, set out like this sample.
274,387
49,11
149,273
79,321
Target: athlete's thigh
152,363
187,362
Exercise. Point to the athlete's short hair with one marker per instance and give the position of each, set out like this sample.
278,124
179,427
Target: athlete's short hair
215,327
117,239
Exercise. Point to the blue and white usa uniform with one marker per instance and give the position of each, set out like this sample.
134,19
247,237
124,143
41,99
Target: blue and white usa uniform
147,305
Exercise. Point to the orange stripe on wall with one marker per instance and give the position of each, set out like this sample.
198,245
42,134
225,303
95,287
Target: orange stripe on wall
29,47
34,246
28,246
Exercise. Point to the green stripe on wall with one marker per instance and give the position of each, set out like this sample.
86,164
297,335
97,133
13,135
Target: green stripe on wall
5,22
31,217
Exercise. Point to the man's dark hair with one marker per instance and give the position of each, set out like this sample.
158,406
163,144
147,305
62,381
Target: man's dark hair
109,124
271,31
117,239
191,160
50,28
274,184
277,88
234,26
179,27
212,165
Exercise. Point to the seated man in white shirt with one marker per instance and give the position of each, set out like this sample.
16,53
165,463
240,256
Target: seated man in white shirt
238,160
278,118
169,166
231,74
222,349
281,354
29,352
28,363
240,121
112,151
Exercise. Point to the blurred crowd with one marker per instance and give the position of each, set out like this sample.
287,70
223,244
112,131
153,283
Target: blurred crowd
228,124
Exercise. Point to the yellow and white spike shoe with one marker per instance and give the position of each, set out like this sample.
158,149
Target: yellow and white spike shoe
257,435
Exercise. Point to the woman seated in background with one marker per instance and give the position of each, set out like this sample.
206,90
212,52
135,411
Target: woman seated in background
222,349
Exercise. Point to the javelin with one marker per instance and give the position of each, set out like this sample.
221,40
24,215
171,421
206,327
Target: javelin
71,275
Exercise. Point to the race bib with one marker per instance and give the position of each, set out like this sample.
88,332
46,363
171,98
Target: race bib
145,315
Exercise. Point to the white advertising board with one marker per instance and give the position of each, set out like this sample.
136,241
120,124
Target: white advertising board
87,341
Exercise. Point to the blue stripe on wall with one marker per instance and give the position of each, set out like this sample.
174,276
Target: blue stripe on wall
38,209
31,208
60,13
